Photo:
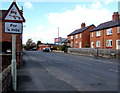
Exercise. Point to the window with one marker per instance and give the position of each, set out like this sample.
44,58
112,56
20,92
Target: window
76,44
98,33
71,37
118,31
109,31
80,35
109,43
77,36
92,34
97,43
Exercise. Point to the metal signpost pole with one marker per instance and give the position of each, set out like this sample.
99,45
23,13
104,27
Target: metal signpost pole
13,68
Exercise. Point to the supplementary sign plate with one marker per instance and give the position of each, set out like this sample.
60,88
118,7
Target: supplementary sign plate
12,27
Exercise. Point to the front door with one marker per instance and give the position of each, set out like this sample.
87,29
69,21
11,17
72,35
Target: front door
118,44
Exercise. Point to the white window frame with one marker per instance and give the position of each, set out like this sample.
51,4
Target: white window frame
97,43
118,44
98,33
76,35
71,37
108,43
76,44
92,34
109,31
118,29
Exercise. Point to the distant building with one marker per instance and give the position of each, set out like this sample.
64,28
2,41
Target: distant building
42,46
80,38
107,34
59,40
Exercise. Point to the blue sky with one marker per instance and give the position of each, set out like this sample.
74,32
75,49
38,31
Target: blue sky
43,18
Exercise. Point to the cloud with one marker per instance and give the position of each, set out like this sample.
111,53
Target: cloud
28,5
109,1
68,21
96,4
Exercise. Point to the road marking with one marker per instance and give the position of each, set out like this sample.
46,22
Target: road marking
113,70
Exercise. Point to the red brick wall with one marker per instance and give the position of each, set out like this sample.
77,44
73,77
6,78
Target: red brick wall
85,38
5,37
115,36
43,46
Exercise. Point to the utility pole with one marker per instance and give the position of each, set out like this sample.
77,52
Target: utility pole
58,32
119,8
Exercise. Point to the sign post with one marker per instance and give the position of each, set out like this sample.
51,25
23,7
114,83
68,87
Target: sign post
13,66
13,24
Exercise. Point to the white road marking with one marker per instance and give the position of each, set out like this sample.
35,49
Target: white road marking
113,70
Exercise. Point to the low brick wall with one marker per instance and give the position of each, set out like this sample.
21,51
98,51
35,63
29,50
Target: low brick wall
108,53
6,60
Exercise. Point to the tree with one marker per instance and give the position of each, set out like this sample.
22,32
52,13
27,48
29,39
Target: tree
29,44
39,43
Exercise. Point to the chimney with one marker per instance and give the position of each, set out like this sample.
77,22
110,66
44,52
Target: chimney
83,25
115,16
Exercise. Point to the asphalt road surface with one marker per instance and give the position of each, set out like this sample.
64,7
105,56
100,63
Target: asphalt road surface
53,71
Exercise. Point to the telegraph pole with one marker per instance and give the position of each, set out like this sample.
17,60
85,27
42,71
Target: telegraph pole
119,8
58,32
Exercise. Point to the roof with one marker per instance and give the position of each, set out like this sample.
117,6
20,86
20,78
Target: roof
2,14
65,41
77,31
106,25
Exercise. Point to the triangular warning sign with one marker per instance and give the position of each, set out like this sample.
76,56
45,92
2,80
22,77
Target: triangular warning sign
14,14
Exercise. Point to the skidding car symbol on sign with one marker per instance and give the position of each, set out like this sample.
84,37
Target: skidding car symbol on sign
13,13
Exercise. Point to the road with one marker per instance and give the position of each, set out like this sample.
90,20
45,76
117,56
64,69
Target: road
53,71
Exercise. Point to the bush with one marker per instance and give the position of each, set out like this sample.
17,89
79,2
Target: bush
87,46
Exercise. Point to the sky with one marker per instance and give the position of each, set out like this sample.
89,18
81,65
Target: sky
44,17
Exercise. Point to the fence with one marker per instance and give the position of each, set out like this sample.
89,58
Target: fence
5,79
108,53
5,74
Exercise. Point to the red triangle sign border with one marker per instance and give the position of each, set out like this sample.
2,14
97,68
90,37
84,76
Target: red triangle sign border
14,15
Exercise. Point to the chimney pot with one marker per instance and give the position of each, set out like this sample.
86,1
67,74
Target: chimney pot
83,25
115,16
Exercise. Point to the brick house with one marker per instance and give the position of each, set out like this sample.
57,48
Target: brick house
80,38
106,35
6,43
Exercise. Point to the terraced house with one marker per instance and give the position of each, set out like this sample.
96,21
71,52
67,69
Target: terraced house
80,38
107,34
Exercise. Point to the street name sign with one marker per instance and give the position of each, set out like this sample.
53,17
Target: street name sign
11,27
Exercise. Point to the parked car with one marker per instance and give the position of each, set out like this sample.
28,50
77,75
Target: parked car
46,49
